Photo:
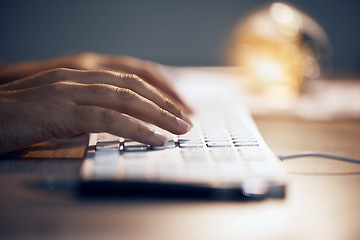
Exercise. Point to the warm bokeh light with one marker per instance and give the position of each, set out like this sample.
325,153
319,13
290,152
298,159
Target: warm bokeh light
278,47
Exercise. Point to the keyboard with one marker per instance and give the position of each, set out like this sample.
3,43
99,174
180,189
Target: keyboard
223,156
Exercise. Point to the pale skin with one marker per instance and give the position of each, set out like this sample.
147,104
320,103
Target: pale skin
87,93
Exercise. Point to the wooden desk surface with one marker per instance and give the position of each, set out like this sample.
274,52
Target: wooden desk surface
38,196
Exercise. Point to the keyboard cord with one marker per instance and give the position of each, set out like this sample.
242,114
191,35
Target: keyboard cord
323,155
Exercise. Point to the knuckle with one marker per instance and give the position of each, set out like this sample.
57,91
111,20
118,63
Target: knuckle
59,88
149,65
59,73
125,94
163,116
86,55
142,131
171,106
149,68
100,89
132,80
86,60
139,128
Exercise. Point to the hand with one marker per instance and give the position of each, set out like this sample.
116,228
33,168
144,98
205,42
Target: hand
64,102
147,70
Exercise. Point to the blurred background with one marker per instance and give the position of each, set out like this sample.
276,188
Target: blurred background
180,33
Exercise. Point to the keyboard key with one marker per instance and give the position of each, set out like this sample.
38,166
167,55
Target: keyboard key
193,134
167,145
108,137
135,155
231,171
193,154
105,163
198,173
107,144
246,144
190,144
216,139
224,154
106,156
136,169
169,171
243,139
133,146
219,144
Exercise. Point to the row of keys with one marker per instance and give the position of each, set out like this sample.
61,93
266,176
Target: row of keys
140,168
188,154
132,146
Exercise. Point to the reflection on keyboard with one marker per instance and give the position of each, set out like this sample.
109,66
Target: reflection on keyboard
222,152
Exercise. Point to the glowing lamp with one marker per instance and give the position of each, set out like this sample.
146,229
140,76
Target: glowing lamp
278,47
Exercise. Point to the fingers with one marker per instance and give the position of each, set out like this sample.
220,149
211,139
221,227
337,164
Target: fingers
133,83
88,118
38,114
146,70
130,81
129,102
106,101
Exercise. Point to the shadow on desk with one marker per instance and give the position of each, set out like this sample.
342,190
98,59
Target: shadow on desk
67,148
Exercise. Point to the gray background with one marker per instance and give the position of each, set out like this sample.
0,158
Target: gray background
182,33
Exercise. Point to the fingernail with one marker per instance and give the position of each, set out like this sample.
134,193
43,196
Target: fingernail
183,125
186,119
159,139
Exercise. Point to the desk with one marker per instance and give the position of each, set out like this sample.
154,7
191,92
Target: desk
38,196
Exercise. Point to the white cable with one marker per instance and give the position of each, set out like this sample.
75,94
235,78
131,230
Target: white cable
323,155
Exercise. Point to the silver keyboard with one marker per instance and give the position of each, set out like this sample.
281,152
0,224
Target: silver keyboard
223,153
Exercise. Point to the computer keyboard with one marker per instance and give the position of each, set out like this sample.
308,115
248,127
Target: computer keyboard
223,152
